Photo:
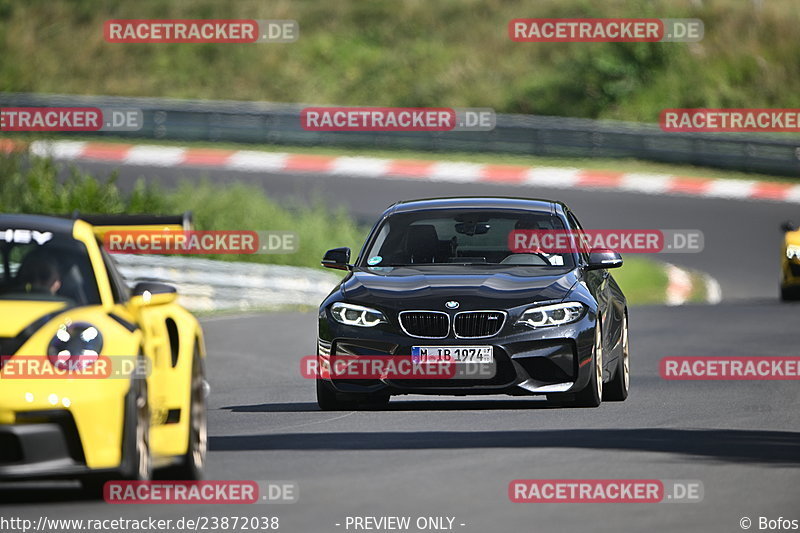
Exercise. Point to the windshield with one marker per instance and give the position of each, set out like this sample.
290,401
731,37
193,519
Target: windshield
458,236
45,266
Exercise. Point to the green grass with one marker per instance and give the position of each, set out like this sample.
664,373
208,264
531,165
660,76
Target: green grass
643,280
415,53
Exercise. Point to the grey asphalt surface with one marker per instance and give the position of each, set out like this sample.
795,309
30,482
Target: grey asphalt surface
437,456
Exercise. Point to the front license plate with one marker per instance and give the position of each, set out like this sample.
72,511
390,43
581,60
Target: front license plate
456,354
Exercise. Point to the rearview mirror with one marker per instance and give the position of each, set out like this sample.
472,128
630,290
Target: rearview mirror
601,259
153,293
472,228
338,258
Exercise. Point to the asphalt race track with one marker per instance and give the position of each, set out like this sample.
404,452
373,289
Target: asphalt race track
455,457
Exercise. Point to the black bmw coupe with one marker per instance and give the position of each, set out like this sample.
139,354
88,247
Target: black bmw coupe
439,281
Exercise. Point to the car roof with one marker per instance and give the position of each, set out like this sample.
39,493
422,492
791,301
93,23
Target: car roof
38,223
477,202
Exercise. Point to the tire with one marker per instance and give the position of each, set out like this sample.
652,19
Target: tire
191,465
377,402
327,399
136,464
560,399
592,394
790,294
617,389
136,444
330,400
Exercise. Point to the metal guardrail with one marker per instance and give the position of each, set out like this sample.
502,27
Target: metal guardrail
208,285
255,122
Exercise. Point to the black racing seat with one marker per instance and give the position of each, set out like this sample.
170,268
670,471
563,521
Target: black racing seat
422,244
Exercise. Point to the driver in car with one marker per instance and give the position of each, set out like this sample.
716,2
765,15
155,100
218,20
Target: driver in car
39,273
533,224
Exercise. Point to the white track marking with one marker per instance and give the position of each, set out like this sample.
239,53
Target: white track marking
552,177
58,150
159,156
368,167
257,161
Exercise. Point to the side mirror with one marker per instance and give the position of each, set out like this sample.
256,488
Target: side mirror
788,226
601,259
152,293
338,258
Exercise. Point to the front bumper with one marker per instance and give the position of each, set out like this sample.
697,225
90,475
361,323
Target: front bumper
51,428
528,361
47,446
791,273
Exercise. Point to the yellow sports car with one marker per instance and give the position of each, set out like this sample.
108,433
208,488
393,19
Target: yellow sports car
790,262
97,381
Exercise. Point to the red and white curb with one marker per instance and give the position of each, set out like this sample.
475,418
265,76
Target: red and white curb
680,286
368,167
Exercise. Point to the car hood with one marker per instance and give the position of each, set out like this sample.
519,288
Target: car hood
473,287
17,315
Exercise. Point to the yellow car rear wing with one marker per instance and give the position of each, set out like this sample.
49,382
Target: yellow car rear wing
101,224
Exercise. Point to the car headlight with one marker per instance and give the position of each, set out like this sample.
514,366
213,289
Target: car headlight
793,251
552,315
75,346
356,315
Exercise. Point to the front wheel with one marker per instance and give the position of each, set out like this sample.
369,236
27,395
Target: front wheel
136,444
329,400
592,394
790,294
192,464
617,389
137,464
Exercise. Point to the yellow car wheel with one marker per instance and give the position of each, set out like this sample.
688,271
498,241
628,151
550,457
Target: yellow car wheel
136,462
790,294
192,464
141,465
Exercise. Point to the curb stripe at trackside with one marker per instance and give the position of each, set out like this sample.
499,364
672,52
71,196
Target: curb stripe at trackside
556,177
553,177
160,156
60,150
679,285
447,171
250,161
600,179
368,167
